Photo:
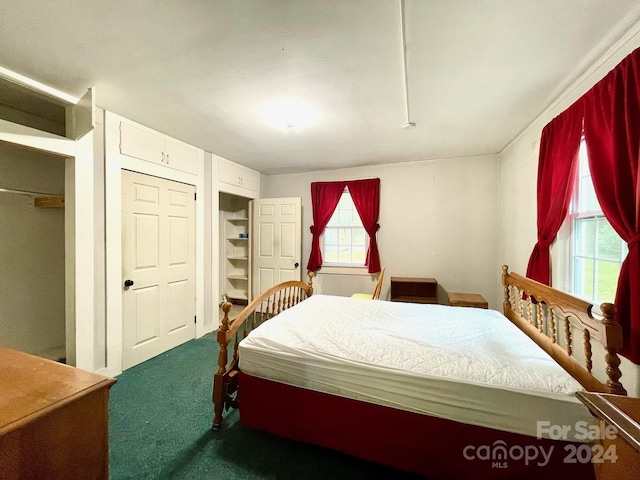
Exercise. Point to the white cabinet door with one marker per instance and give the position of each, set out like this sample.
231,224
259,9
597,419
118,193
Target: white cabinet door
242,180
181,156
229,172
141,143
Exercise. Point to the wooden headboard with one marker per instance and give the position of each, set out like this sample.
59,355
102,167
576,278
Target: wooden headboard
552,319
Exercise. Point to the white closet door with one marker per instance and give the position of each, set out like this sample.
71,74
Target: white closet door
158,253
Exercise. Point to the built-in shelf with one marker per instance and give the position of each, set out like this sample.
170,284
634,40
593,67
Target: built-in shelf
238,295
238,277
414,290
30,137
236,267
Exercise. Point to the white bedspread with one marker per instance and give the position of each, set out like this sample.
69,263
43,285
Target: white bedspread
466,364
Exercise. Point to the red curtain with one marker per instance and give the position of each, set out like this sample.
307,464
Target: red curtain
324,200
557,168
366,198
612,135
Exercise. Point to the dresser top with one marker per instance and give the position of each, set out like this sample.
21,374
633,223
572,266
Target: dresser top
31,386
617,410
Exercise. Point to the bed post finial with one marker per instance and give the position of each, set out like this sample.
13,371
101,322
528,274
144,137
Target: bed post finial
505,289
218,378
311,274
612,341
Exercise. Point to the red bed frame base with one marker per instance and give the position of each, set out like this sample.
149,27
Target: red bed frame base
429,446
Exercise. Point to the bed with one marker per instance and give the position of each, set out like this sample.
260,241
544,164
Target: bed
445,392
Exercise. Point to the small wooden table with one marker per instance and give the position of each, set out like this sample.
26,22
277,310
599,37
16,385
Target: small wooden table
476,300
414,290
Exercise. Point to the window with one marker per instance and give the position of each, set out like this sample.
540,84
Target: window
597,251
345,240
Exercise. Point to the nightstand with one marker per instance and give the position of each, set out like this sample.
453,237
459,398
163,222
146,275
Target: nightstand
467,300
414,290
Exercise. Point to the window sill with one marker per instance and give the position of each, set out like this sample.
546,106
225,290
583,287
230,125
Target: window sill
343,270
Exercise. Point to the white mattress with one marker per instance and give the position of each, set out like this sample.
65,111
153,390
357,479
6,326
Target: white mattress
464,364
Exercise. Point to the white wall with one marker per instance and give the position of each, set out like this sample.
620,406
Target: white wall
438,219
518,166
32,281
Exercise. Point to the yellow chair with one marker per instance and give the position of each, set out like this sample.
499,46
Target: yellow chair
376,291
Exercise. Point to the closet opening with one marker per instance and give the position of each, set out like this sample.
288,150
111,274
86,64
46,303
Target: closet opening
32,252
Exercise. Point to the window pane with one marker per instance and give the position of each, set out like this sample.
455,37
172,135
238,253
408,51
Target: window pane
330,254
607,281
358,236
344,236
333,222
588,200
583,168
344,255
345,201
585,236
359,255
331,236
355,218
583,277
344,217
609,244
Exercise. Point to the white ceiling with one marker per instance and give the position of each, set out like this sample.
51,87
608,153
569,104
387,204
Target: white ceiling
479,71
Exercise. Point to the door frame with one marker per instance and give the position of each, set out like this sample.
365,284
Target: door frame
114,164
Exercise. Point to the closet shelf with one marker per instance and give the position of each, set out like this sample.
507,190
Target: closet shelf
49,202
30,137
42,200
237,277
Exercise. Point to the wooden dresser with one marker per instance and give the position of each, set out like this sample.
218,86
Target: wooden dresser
53,420
623,443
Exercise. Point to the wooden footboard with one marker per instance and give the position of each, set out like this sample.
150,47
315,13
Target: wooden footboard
265,306
553,319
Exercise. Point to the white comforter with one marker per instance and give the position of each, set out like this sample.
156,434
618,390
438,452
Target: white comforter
467,364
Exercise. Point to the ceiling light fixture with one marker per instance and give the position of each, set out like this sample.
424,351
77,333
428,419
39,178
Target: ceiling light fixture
289,114
408,125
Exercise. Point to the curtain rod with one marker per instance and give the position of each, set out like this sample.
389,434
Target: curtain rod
28,193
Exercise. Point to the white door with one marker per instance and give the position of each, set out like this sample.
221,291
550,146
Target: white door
158,266
277,243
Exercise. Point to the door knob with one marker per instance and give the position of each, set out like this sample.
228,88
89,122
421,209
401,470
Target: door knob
128,283
296,265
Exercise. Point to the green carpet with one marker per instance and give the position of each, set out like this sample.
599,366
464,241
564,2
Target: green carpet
160,416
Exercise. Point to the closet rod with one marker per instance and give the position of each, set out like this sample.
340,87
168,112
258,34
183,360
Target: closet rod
26,192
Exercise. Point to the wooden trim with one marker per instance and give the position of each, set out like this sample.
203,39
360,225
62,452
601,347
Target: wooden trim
265,306
543,329
49,202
